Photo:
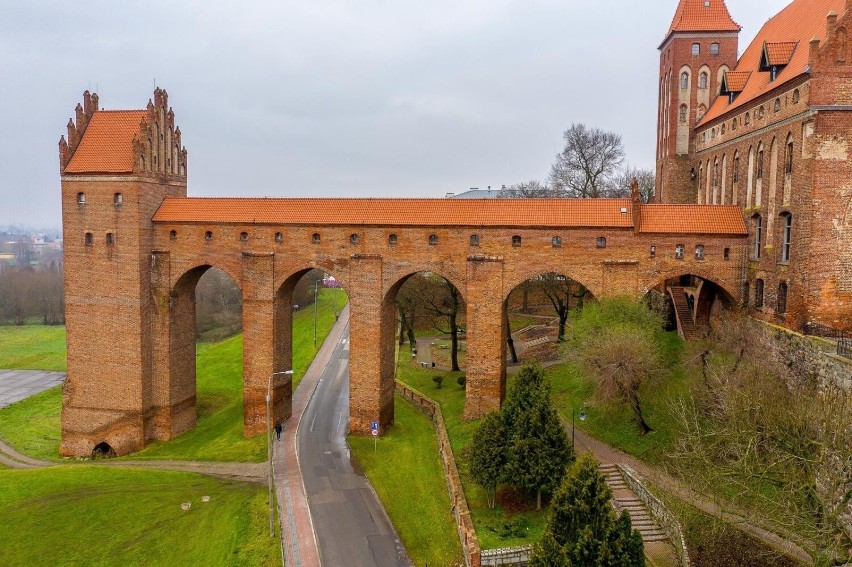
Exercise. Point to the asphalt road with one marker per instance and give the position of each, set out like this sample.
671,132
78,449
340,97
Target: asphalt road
350,523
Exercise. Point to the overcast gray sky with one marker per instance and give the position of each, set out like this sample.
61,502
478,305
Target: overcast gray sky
336,98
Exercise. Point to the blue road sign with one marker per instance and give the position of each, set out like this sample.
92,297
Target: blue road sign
374,425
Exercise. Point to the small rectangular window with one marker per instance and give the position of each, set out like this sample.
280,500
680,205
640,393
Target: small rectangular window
727,253
110,239
118,199
699,252
89,239
696,49
653,251
679,251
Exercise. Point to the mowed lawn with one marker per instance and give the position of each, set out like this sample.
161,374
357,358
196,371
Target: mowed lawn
33,425
32,347
89,515
408,476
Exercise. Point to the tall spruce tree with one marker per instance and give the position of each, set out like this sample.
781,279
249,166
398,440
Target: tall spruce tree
584,526
539,452
488,455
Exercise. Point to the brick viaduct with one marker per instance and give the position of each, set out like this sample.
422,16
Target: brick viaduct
135,247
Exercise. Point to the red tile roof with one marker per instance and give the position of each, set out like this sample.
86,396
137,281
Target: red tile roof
567,213
702,15
692,219
400,212
780,52
736,80
800,21
107,146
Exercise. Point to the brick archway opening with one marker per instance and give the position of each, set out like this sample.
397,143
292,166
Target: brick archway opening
536,315
415,312
690,303
298,295
176,398
103,450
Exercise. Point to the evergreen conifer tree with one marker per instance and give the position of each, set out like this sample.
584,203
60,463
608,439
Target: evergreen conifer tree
488,455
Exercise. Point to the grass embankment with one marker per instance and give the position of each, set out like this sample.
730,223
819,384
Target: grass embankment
514,521
408,477
32,425
104,516
614,423
32,347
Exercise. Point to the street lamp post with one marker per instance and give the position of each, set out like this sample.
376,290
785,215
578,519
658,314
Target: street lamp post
582,418
316,300
269,444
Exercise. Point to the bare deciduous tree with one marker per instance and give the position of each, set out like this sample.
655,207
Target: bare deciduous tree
588,164
532,189
560,290
643,176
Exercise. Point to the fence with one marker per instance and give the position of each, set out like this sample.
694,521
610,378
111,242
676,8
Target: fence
843,338
464,522
668,522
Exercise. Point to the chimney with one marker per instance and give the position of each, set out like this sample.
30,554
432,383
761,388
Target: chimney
832,24
813,50
636,199
450,195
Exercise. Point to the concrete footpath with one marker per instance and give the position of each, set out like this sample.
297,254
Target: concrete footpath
297,529
16,385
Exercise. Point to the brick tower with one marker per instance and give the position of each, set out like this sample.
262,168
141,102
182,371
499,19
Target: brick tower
116,169
700,45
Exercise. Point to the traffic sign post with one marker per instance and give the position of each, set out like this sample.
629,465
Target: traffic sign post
375,438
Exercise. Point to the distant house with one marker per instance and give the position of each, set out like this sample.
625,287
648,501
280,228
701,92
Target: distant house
476,193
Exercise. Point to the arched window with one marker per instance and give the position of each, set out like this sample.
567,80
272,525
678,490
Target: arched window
699,252
474,240
696,49
758,294
683,111
796,96
786,236
714,49
433,239
557,242
760,112
392,240
684,80
716,173
747,119
734,124
81,198
354,238
702,110
757,221
243,236
279,237
601,242
777,105
315,238
746,294
735,176
788,156
782,298
702,81
759,162
516,241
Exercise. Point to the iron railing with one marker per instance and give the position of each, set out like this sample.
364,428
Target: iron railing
843,338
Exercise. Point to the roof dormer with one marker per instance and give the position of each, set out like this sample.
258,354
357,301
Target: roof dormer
776,55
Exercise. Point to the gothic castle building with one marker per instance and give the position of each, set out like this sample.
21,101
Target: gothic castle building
771,133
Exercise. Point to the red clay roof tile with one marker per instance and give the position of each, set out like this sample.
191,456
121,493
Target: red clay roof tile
107,146
736,80
780,52
692,219
400,212
702,15
565,213
800,21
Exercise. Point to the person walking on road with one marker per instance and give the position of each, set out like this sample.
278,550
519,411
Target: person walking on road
278,429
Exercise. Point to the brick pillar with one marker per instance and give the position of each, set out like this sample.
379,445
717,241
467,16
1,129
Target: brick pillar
371,346
486,337
282,384
258,343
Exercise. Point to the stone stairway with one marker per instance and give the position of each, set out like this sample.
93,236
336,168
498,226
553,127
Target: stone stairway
626,499
686,326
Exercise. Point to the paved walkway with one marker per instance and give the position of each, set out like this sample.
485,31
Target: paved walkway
297,529
15,385
606,454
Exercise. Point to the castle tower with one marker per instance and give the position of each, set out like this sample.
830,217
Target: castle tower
700,45
116,168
